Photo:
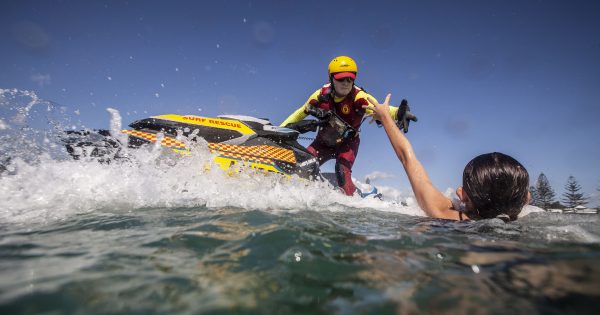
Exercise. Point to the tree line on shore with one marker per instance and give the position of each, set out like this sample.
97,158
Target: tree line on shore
543,196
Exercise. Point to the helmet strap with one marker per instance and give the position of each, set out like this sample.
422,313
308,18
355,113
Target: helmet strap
331,86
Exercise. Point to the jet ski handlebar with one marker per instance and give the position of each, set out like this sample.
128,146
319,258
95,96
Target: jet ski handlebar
305,126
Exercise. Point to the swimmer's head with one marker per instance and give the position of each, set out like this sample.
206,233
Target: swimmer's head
496,186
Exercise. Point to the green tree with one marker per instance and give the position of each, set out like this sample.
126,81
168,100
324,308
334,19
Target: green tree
544,194
534,196
572,197
556,205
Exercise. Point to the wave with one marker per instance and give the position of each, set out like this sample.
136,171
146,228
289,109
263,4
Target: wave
41,183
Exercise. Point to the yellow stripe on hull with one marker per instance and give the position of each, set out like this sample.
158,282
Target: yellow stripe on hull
228,155
209,122
229,164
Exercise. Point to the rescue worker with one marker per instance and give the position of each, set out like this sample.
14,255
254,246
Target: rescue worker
339,104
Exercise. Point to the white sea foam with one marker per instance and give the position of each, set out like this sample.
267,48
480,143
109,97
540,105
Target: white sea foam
573,233
50,188
57,189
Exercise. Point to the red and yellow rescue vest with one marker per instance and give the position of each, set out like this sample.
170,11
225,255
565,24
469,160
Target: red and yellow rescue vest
350,108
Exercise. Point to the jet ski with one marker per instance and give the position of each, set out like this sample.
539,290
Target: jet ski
234,140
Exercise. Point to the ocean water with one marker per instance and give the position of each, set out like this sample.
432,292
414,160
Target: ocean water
160,234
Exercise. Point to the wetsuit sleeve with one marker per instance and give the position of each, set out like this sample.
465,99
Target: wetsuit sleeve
365,96
300,113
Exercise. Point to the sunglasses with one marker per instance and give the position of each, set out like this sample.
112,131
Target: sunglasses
349,80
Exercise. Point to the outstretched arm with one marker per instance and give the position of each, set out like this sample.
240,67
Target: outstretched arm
296,116
300,113
429,198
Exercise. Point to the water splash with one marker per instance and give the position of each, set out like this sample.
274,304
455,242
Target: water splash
41,184
116,123
29,126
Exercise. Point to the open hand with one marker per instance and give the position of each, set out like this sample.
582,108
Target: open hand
379,110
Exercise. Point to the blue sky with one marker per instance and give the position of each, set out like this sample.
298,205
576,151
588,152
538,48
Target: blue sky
519,77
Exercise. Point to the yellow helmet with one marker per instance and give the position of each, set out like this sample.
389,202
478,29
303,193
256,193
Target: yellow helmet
343,67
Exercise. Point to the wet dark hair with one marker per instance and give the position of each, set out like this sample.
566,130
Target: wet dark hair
497,186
